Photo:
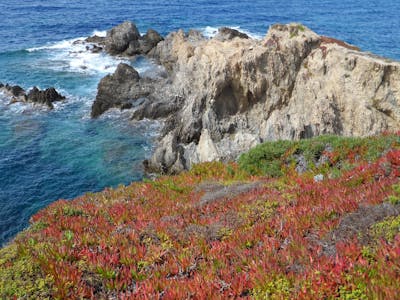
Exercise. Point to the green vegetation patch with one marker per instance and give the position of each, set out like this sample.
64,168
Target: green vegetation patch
326,154
21,276
387,229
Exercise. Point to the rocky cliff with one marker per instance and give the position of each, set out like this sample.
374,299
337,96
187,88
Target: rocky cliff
226,94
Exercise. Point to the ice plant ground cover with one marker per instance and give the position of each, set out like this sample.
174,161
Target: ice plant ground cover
315,219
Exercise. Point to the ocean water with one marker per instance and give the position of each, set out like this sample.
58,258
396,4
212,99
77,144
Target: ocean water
48,155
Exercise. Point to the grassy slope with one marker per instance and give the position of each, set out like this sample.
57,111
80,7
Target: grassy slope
208,233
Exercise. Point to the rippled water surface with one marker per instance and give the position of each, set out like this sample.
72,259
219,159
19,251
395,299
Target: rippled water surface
47,155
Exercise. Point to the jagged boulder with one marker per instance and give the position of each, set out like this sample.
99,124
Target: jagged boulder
124,40
126,89
144,44
115,89
118,38
44,97
151,98
47,96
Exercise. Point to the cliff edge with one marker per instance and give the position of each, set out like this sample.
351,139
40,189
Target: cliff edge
227,94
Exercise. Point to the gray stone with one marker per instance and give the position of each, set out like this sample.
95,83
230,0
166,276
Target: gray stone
225,33
118,38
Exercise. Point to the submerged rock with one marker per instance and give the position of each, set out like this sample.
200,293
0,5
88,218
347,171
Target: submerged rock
226,94
44,97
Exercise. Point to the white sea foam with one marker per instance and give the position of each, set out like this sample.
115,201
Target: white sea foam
58,45
210,31
100,33
74,55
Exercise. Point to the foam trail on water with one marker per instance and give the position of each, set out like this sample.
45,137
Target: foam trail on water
100,33
74,55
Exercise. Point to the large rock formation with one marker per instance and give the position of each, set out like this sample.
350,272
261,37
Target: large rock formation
43,97
126,89
235,92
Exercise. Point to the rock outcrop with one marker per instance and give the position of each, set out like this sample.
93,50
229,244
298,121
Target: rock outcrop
126,89
43,97
125,40
232,92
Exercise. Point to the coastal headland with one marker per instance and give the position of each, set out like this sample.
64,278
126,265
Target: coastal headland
279,168
220,97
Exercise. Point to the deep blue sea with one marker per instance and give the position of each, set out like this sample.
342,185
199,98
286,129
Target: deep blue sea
48,155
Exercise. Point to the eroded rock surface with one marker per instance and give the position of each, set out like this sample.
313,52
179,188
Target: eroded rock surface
227,94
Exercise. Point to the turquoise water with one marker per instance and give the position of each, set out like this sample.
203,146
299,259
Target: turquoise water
47,155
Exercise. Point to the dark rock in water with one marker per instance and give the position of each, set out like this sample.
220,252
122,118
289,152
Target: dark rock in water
46,97
118,89
151,98
15,90
95,39
226,33
125,39
96,49
18,94
144,44
119,37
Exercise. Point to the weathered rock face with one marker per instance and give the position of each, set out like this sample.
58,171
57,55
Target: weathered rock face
44,97
125,89
231,92
293,84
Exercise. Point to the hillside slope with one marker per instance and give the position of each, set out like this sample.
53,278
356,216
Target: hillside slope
314,219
